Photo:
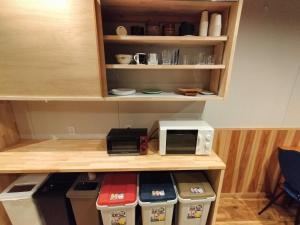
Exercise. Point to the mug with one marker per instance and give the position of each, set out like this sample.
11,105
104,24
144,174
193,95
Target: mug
140,58
153,29
137,30
152,59
169,29
186,28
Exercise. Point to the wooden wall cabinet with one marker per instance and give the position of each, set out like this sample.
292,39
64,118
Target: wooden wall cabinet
59,50
214,77
49,50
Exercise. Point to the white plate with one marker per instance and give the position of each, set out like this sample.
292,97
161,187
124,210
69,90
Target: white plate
123,91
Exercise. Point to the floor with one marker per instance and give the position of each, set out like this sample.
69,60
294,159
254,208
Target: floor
235,211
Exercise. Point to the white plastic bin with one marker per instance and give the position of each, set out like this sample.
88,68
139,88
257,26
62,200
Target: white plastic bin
157,196
195,196
157,213
18,202
118,215
118,199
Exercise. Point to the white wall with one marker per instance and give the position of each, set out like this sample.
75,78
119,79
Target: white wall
94,120
264,92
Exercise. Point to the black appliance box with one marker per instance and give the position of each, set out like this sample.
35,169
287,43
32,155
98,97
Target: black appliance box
127,141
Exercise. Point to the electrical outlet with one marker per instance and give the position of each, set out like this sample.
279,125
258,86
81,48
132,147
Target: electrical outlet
53,137
71,130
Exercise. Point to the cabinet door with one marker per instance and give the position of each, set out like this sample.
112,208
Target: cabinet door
49,49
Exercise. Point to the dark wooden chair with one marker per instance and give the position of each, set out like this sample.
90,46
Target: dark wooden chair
289,161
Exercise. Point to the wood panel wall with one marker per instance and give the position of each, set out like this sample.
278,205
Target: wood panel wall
8,136
251,157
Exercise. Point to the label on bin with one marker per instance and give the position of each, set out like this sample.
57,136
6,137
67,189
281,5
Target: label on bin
117,196
195,212
118,218
158,214
158,193
197,190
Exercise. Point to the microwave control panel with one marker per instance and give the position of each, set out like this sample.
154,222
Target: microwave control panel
205,142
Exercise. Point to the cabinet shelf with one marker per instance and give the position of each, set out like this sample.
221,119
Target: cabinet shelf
157,7
127,13
91,156
164,40
165,96
163,67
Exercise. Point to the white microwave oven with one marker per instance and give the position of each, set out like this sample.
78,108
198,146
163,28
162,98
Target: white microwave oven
185,137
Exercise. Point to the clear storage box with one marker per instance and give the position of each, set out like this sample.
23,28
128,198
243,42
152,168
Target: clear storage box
195,196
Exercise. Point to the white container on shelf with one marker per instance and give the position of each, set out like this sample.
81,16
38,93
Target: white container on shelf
18,202
203,29
215,26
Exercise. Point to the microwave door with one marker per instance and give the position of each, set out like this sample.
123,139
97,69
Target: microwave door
181,141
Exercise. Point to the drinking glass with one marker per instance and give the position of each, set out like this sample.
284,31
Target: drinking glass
166,57
210,60
200,59
152,59
187,60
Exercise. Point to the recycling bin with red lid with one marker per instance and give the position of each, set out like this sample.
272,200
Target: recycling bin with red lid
118,198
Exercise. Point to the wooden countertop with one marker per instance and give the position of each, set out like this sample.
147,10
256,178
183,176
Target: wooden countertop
91,156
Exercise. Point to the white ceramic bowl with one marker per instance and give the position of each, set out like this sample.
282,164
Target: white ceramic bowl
123,91
124,59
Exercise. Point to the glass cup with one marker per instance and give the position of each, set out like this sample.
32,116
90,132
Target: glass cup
152,59
210,60
187,60
200,59
166,57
